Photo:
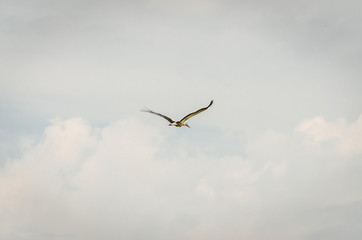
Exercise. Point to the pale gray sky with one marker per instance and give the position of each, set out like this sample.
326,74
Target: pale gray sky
278,155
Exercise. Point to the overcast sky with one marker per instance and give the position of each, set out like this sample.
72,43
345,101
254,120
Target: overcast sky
278,155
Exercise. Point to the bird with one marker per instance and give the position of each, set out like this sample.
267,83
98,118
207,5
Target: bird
182,122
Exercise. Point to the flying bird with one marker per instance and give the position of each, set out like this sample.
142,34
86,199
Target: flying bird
182,122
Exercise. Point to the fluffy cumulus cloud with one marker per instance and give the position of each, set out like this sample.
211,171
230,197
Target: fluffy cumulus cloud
76,175
347,137
82,182
117,182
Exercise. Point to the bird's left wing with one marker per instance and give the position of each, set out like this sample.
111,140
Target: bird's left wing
159,114
195,113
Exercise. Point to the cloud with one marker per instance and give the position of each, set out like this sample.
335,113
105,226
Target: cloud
205,189
108,50
75,175
84,182
347,138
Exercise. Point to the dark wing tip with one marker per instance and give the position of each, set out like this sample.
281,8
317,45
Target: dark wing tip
212,101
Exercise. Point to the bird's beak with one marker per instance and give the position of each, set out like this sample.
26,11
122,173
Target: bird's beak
187,125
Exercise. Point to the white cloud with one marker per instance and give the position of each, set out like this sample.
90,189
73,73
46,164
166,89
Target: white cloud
205,189
73,176
279,169
246,175
82,182
348,138
85,182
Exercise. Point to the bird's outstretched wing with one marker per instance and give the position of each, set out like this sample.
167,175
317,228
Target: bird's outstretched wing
159,114
195,113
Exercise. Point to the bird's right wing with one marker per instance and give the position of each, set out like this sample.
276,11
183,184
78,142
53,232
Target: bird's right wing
159,114
195,113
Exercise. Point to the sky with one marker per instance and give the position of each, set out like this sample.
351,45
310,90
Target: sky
277,156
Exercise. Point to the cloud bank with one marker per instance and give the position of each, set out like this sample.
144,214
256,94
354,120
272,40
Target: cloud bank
348,138
84,182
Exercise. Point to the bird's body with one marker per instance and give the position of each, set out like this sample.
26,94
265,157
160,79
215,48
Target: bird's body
178,124
182,122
